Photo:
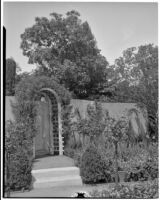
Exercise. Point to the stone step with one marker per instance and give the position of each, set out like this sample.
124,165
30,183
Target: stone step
55,172
53,177
58,182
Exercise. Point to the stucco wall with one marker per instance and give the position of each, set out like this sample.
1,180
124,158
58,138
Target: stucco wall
115,110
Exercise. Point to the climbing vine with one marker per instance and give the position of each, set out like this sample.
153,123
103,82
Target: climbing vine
28,92
19,134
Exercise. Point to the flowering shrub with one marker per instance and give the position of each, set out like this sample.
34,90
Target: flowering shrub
147,190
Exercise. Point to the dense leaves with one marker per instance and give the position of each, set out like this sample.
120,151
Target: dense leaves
134,78
147,190
28,92
18,148
93,169
64,47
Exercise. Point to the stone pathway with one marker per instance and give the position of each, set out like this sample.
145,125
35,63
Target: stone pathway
53,162
64,191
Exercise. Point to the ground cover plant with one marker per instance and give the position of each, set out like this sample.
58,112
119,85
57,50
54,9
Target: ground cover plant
139,163
146,190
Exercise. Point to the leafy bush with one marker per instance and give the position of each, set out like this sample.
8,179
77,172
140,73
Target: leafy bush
18,145
66,123
149,170
94,124
147,190
93,169
138,164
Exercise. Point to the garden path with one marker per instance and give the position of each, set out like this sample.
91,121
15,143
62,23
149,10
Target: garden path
64,191
54,171
53,162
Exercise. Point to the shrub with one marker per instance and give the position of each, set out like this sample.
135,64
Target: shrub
94,124
18,144
147,190
148,170
140,166
93,169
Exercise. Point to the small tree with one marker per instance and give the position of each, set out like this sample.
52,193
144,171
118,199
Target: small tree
94,124
116,132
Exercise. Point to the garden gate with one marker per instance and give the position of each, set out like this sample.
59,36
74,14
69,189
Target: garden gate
49,139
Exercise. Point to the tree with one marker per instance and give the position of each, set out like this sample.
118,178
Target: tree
135,77
10,76
64,47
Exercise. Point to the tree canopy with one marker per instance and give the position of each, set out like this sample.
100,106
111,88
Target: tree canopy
134,78
64,47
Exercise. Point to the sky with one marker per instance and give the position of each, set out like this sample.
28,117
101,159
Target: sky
116,26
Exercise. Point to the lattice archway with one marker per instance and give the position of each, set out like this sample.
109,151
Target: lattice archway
56,124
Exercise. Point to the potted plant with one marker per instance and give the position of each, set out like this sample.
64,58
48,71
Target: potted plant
117,133
122,175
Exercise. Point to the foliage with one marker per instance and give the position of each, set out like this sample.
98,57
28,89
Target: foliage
29,88
64,47
94,124
117,130
144,190
138,164
116,133
67,123
93,169
134,78
18,145
28,91
20,76
10,71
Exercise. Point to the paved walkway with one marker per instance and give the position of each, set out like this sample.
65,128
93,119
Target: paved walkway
53,162
65,191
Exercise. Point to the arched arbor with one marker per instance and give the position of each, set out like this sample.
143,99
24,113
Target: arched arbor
52,98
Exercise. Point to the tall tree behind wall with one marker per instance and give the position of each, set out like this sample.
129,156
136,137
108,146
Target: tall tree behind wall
10,76
135,79
64,47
